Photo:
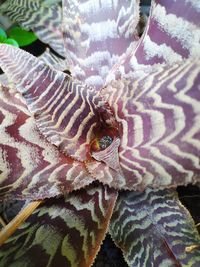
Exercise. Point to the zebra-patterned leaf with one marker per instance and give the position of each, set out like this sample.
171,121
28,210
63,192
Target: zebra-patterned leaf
63,232
10,208
41,18
54,61
153,229
66,111
97,34
4,80
158,116
172,34
31,167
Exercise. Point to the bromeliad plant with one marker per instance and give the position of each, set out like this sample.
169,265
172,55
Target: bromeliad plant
115,150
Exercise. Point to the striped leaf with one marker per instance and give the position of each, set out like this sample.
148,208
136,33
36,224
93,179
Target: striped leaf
4,80
153,229
42,18
97,34
62,232
10,208
31,167
54,61
66,111
158,116
172,34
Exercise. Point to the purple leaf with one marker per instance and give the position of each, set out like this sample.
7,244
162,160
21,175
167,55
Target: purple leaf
62,232
158,116
31,167
153,229
66,111
97,34
172,34
54,61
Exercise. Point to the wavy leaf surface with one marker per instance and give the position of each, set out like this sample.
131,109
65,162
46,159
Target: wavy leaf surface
66,111
30,166
172,34
158,116
63,232
54,61
97,34
42,18
154,229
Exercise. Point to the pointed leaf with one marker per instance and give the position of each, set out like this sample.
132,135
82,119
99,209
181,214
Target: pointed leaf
154,229
159,116
66,111
63,232
97,34
43,20
31,167
106,175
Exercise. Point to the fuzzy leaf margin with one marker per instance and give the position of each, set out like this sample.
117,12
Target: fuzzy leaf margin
67,112
158,115
30,166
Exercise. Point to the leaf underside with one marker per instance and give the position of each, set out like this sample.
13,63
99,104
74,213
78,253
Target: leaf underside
154,229
63,232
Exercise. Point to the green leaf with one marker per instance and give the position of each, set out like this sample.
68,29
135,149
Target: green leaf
3,35
22,36
154,229
45,21
62,232
11,41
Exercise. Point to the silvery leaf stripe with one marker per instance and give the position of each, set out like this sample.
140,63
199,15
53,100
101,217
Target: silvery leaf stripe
172,34
67,112
62,232
154,229
97,34
43,18
30,166
158,116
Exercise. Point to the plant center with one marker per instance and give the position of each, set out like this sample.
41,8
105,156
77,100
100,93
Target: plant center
105,141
